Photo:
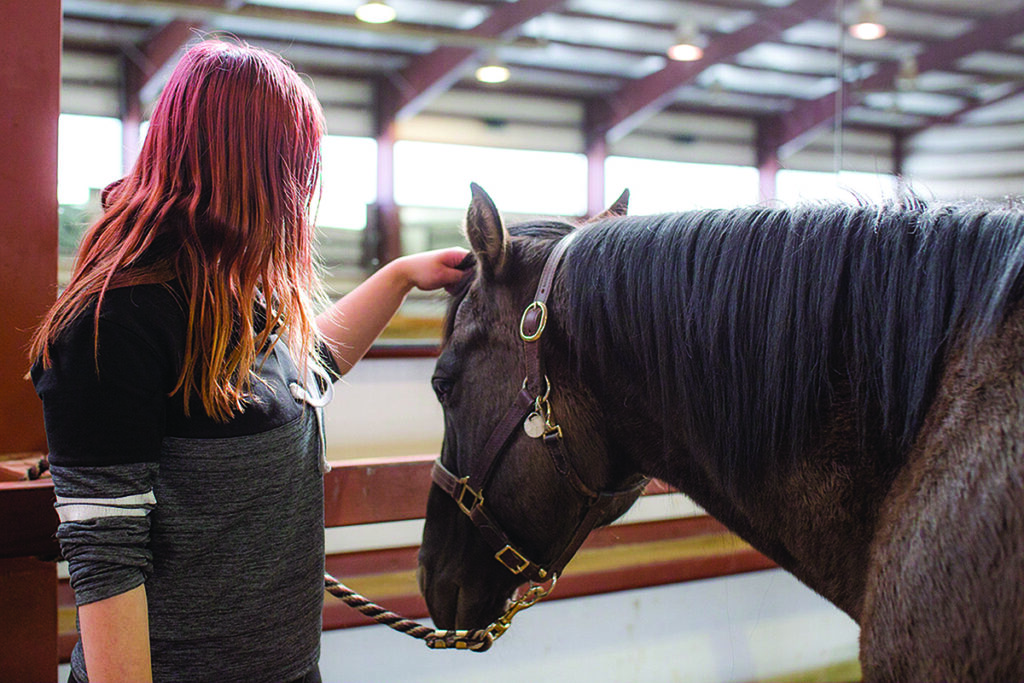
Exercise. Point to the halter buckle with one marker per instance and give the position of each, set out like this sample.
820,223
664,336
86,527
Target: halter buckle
516,563
461,493
543,312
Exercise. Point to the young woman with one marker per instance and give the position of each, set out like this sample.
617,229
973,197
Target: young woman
182,371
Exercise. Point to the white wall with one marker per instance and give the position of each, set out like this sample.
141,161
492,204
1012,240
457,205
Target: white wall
981,155
384,407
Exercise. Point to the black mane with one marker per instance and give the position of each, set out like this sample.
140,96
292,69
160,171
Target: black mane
745,322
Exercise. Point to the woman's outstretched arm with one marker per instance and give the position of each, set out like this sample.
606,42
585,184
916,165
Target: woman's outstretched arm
355,321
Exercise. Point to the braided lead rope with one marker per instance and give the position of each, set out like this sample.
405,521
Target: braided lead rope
477,640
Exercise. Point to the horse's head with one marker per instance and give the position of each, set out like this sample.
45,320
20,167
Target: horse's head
525,471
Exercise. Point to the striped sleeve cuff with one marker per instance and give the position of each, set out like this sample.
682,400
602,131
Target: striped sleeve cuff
84,509
104,526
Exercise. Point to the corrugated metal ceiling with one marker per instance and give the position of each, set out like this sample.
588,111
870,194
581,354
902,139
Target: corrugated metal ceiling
941,62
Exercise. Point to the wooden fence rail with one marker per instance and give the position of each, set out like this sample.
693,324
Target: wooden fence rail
373,514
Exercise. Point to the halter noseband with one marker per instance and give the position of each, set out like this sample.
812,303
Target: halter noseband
531,411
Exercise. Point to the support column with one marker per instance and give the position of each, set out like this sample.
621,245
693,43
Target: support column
131,113
140,77
387,222
767,171
30,80
30,50
899,157
768,131
597,153
139,72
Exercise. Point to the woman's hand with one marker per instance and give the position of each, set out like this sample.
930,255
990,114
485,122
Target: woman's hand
432,269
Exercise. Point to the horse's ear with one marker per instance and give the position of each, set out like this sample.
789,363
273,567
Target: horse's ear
618,208
486,232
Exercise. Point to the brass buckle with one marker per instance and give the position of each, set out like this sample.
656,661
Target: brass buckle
540,324
521,562
478,498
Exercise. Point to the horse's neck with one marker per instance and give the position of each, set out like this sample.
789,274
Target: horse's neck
817,521
825,512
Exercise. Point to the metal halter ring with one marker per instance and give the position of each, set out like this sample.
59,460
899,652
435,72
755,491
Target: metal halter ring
536,593
547,391
540,325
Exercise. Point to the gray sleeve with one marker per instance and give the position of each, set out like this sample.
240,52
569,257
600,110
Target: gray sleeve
104,527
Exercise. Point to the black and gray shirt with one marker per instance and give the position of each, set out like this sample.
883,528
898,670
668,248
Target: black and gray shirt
223,522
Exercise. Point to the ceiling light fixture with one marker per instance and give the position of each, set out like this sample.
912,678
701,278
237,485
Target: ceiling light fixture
376,12
688,45
906,77
869,24
493,71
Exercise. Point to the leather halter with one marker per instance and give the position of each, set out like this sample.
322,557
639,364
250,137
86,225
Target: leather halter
530,405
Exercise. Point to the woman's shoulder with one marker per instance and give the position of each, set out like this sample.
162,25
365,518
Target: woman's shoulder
150,319
153,312
144,303
105,383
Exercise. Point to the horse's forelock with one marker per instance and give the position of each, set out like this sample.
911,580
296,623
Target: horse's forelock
457,293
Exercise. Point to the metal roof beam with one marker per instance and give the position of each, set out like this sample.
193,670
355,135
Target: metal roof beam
957,116
428,76
801,124
154,56
148,60
640,99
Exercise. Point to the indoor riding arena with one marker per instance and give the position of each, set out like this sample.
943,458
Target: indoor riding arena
774,430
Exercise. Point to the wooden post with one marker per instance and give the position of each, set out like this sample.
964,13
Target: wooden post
30,82
28,630
30,49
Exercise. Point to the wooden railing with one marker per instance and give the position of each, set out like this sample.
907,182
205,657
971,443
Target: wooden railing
373,511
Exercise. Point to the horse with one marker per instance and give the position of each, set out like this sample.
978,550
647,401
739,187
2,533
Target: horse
842,386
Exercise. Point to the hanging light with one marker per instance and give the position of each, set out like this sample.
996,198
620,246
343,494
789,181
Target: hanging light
688,45
375,12
906,77
493,71
869,24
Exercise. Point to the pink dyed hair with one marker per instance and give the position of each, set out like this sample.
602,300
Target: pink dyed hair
220,198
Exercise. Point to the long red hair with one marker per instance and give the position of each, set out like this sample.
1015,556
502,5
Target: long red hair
219,199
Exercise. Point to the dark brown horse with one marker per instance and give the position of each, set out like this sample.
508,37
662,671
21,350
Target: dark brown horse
841,386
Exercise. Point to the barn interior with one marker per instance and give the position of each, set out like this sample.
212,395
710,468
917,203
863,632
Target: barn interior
554,106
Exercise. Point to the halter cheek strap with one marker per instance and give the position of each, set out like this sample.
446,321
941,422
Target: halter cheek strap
468,491
535,316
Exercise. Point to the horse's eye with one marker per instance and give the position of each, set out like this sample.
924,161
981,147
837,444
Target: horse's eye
442,387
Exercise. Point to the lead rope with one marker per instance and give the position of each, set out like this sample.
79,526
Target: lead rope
476,640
